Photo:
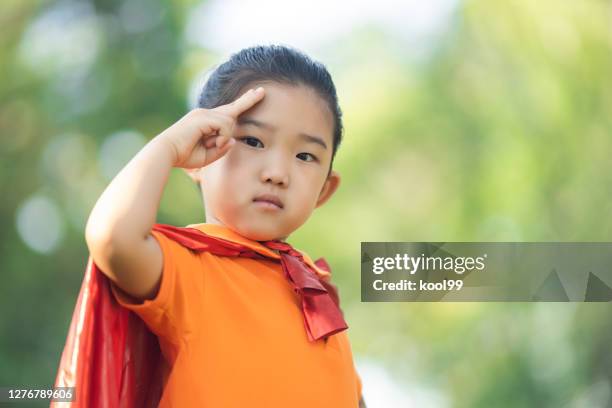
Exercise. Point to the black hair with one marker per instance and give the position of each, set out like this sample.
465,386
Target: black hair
276,63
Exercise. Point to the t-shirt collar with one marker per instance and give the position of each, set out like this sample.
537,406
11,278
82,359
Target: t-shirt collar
226,233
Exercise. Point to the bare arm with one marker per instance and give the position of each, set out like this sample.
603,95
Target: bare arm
118,228
118,231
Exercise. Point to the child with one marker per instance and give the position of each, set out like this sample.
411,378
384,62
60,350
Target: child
241,317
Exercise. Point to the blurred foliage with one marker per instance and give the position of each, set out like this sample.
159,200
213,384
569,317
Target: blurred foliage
501,132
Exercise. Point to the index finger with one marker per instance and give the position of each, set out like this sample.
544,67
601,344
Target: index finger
243,103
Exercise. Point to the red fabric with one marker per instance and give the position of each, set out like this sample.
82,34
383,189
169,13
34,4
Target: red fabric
322,315
112,358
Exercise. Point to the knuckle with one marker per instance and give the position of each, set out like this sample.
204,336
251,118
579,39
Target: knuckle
197,112
220,117
227,120
226,116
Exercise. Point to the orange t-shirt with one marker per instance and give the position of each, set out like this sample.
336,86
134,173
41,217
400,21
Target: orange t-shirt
232,332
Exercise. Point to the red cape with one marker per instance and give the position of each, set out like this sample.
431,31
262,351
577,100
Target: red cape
110,356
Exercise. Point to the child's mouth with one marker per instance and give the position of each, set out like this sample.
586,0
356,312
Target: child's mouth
267,205
269,201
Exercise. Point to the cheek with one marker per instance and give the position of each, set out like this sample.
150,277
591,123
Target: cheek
238,163
219,179
238,154
309,190
235,181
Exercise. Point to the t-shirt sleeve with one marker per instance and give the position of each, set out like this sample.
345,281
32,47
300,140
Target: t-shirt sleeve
170,313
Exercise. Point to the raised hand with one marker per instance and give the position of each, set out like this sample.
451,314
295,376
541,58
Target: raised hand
205,135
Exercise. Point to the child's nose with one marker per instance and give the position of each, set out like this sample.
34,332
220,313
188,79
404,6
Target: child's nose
276,171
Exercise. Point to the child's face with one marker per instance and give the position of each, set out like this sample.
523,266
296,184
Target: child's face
272,156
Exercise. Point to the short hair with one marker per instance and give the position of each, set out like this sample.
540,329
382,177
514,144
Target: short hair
278,63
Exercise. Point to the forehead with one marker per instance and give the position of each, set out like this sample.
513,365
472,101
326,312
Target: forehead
293,109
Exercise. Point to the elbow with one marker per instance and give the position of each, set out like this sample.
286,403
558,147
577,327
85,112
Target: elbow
102,246
97,237
107,250
105,244
109,246
99,234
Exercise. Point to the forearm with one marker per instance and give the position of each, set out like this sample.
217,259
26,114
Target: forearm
127,209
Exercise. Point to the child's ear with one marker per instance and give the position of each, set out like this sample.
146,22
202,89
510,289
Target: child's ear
329,188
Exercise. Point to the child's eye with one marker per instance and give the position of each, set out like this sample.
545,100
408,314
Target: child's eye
313,157
251,141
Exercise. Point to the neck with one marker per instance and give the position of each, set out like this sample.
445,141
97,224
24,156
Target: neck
213,220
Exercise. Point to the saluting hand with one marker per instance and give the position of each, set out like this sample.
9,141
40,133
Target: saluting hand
205,135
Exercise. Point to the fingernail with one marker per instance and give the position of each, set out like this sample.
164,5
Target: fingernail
259,89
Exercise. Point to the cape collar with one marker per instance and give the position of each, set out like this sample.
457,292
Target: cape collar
226,233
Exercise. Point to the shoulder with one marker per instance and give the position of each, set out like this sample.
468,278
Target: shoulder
173,249
187,248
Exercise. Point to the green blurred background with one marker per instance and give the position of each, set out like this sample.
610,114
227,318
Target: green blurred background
465,121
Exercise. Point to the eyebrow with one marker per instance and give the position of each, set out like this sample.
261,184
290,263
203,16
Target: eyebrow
304,136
